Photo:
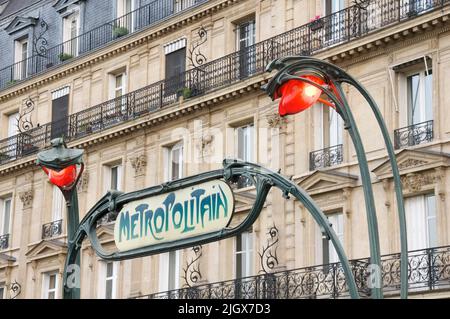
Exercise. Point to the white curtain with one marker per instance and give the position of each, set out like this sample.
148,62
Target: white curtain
416,222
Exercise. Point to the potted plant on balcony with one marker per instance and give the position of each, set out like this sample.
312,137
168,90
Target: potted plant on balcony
64,56
184,92
316,23
12,82
120,32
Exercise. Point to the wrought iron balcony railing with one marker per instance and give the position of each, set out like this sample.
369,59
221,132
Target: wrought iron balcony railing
87,42
340,27
413,134
52,229
4,241
326,157
429,270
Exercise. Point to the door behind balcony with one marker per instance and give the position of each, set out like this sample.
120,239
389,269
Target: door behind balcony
60,112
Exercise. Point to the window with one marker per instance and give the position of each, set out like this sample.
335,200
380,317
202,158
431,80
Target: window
175,67
245,40
420,97
20,59
244,254
125,15
60,112
331,127
13,121
50,285
169,265
421,221
2,290
71,26
244,141
108,280
174,162
337,21
326,253
113,177
117,92
58,204
5,216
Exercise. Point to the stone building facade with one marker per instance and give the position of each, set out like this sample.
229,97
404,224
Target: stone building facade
178,91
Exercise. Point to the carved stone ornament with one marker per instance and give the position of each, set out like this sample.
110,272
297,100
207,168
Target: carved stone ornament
139,163
82,185
414,182
274,120
26,197
411,163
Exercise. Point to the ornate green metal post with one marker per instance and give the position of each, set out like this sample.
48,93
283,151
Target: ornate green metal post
293,68
61,165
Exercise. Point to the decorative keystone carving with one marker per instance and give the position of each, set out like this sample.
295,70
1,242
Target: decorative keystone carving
139,163
26,197
82,185
274,120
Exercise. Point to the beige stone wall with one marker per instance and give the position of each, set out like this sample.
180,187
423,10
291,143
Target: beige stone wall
285,147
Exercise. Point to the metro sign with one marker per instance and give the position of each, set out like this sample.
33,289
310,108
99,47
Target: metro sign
196,210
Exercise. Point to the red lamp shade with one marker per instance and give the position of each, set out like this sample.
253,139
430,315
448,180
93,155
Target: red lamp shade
297,96
63,178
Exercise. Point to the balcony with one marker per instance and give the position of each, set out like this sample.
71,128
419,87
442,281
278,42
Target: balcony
413,135
338,28
326,157
52,229
86,43
429,271
4,241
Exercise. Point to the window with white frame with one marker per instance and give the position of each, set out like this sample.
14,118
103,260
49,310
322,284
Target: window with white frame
71,31
20,59
169,271
421,221
420,96
58,204
174,162
245,40
336,20
13,121
125,15
183,4
5,215
244,254
113,177
50,285
331,127
108,280
117,92
325,253
2,290
244,149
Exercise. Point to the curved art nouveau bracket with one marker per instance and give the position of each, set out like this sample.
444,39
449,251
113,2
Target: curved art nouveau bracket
293,67
263,179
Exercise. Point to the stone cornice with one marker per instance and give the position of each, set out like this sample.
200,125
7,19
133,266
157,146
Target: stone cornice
169,25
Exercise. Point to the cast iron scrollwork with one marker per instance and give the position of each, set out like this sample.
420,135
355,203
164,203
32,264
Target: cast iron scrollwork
361,4
192,272
269,258
24,120
40,42
197,60
196,57
15,289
